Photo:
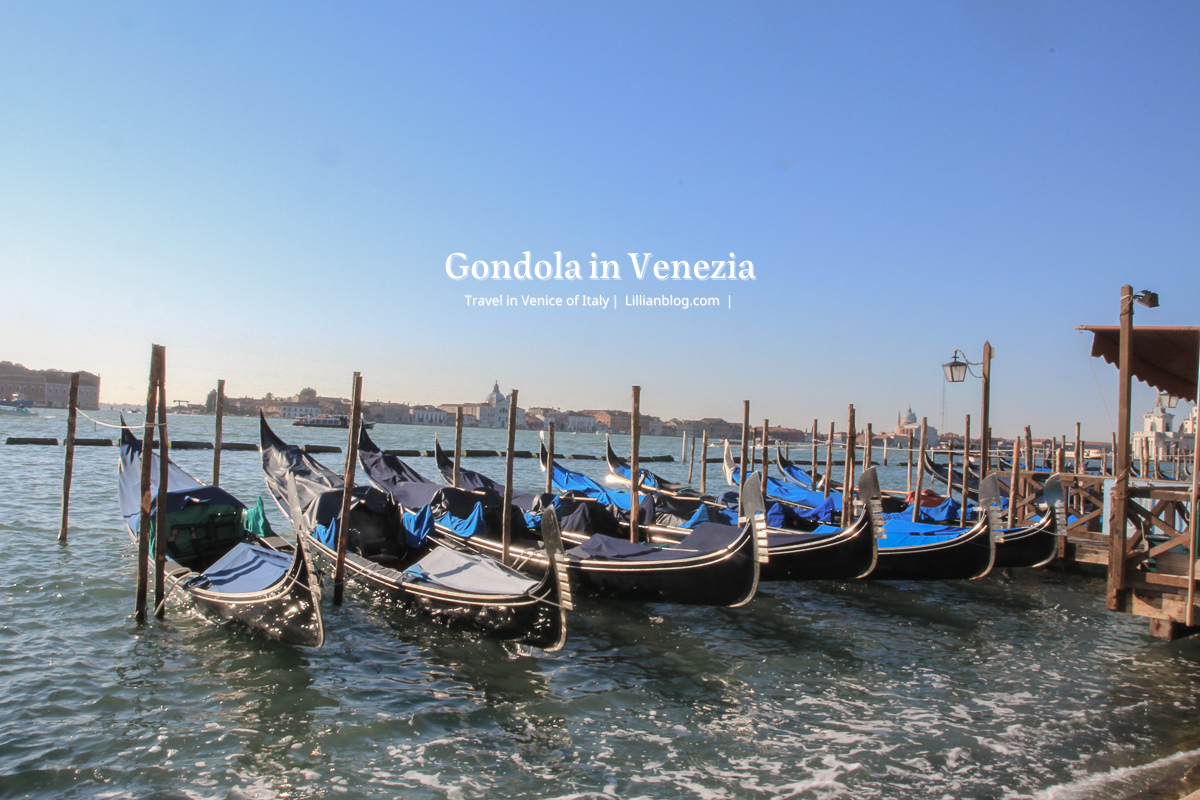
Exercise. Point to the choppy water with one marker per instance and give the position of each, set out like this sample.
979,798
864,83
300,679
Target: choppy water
1020,686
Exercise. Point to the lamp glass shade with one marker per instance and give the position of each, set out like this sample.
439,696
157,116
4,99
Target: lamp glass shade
956,371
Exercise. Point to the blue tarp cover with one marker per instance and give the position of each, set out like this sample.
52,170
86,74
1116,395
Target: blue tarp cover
417,526
793,494
465,527
247,568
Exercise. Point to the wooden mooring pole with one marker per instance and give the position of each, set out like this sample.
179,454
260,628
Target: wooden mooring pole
765,439
1116,588
143,557
506,508
1012,483
746,433
704,463
343,531
965,485
550,456
160,524
458,430
827,479
218,434
813,472
692,460
909,487
635,429
916,511
847,475
69,459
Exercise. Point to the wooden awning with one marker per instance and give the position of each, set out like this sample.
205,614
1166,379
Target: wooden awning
1165,358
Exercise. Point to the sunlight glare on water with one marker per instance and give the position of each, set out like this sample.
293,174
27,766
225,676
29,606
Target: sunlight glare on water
1011,686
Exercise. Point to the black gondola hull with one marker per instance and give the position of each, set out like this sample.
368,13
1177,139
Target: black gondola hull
288,611
1035,546
842,556
970,555
721,578
528,619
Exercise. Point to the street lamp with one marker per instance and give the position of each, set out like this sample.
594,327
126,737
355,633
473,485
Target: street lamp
956,372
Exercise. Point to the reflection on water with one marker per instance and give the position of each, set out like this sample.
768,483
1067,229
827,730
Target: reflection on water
1012,686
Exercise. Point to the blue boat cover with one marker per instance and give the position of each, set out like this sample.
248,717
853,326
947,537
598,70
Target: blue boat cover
793,494
465,526
247,568
417,526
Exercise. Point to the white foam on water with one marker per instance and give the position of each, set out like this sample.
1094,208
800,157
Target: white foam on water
1116,782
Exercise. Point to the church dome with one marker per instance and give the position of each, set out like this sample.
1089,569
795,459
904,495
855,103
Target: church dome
909,418
495,398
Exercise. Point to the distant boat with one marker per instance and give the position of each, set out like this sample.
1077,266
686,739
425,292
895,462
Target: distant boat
13,408
329,421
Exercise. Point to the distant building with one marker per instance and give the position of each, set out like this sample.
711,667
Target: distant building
491,413
907,423
1158,438
429,415
47,388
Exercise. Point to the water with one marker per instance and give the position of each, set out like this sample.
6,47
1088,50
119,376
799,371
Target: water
1008,687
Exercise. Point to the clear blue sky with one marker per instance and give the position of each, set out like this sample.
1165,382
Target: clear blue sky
271,190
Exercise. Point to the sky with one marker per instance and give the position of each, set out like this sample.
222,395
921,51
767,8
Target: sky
272,191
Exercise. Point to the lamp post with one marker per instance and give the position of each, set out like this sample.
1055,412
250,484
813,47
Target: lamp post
1120,492
956,372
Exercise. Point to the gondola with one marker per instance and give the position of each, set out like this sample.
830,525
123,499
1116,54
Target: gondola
393,554
917,551
823,508
222,558
619,468
794,473
1034,545
808,549
713,565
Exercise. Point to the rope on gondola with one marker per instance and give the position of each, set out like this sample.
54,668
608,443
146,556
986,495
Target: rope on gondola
122,427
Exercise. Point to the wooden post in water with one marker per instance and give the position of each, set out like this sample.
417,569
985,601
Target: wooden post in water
985,425
813,472
744,464
704,463
870,447
635,430
910,464
343,525
550,451
160,524
69,460
218,432
885,450
683,455
692,460
965,486
1080,466
458,430
766,428
1012,482
848,473
827,480
916,514
143,558
1116,589
506,508
1031,466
